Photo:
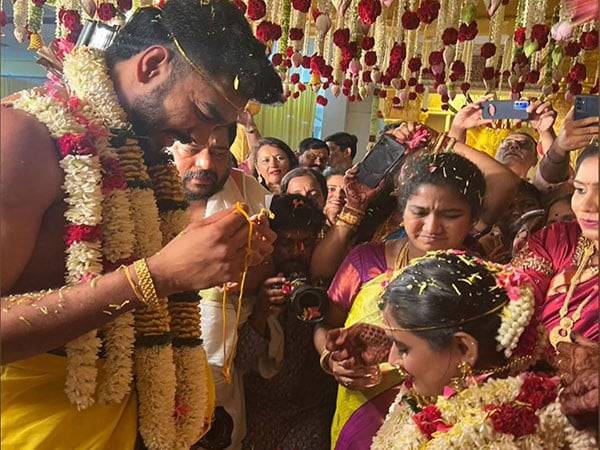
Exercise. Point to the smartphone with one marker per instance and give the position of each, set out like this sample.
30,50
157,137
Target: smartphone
505,109
586,106
383,158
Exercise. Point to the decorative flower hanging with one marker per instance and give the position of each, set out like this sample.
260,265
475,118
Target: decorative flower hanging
369,11
256,9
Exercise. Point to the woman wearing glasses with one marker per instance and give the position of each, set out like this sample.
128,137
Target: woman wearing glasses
272,160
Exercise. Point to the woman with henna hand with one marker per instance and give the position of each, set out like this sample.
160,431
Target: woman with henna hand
442,198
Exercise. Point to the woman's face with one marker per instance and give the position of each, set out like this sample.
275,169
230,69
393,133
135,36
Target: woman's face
435,218
272,164
336,197
585,198
308,187
430,369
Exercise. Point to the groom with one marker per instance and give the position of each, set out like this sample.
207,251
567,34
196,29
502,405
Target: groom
177,73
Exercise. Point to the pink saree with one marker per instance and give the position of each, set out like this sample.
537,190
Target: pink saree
551,257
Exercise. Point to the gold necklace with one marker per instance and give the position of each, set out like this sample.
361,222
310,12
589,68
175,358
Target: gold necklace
562,332
402,258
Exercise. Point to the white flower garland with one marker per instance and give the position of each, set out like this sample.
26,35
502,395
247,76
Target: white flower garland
515,317
471,426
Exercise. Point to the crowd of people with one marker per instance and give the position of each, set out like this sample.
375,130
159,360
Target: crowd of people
454,305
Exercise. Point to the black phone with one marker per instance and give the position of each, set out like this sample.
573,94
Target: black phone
383,158
586,106
505,109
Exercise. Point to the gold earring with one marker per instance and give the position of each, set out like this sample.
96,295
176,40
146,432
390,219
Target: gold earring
461,382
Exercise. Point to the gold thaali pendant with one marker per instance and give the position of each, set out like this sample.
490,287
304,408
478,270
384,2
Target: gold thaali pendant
561,332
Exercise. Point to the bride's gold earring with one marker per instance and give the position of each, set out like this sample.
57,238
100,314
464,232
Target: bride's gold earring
461,382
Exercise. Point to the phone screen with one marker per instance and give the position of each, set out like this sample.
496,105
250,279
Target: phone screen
505,109
383,158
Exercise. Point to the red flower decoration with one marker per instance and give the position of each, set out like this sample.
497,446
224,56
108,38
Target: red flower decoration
321,100
326,71
82,233
296,34
538,391
305,62
450,36
370,58
113,177
317,64
414,64
428,11
465,87
294,78
349,51
369,11
539,33
578,72
70,19
429,420
301,5
239,4
398,52
436,58
458,67
106,11
410,20
572,49
341,37
3,19
263,31
419,88
515,420
368,43
533,76
520,36
39,3
396,100
488,50
412,95
589,40
467,32
124,5
75,144
302,87
256,9
575,88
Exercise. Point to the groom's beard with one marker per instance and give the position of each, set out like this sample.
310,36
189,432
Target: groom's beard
147,113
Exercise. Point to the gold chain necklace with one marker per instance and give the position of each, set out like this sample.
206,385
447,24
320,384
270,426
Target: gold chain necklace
402,259
562,332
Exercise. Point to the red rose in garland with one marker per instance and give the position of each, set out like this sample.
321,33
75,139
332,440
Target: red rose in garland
450,36
410,20
263,32
414,64
70,19
321,100
488,50
239,4
539,33
467,32
578,72
465,87
538,391
296,34
341,37
301,5
458,67
589,40
515,420
428,11
124,5
436,58
520,36
294,78
370,58
256,9
429,420
369,11
488,73
419,88
305,62
572,49
533,76
366,76
398,52
575,88
106,11
368,43
277,59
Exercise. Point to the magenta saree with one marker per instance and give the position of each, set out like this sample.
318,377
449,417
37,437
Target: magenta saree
551,257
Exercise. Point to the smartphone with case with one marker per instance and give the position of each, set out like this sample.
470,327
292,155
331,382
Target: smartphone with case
383,158
586,106
505,109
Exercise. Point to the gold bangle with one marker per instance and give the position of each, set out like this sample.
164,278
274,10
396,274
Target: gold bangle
355,211
349,218
146,284
134,287
323,361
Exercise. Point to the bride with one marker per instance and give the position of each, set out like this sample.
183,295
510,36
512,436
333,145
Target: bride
465,333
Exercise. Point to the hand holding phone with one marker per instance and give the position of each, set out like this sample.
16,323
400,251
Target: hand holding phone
384,157
586,106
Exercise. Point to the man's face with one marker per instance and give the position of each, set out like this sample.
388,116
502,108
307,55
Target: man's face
338,157
293,250
204,169
517,150
315,158
185,110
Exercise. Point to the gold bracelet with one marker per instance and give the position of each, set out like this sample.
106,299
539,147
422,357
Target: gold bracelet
146,284
323,361
134,287
349,218
352,210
